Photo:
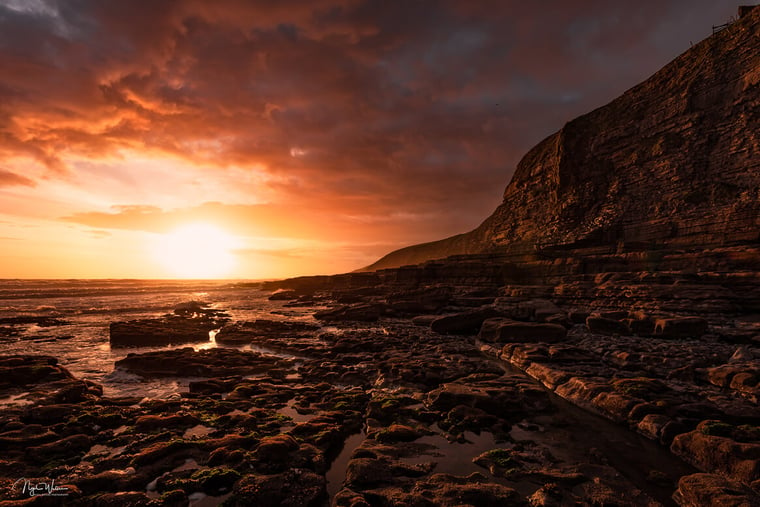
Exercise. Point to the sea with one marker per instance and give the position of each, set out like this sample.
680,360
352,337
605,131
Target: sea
87,307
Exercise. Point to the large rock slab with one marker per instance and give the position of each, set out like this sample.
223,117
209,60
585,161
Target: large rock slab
464,322
362,312
680,327
239,333
738,461
710,490
186,362
160,332
501,330
603,325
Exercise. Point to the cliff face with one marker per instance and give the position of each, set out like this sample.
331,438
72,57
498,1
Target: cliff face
672,164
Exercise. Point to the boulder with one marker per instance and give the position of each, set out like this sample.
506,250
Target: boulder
527,310
464,322
738,461
711,490
293,488
641,325
604,325
186,362
239,333
160,332
501,330
416,302
25,370
680,327
66,447
363,312
284,295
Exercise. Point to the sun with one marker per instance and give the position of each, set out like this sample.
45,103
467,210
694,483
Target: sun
197,250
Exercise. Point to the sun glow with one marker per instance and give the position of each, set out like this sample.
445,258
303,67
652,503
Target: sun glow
196,251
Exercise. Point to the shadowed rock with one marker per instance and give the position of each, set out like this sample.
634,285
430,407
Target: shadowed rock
502,330
187,362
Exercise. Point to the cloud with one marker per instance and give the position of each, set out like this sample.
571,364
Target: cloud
287,253
96,233
8,179
353,107
263,221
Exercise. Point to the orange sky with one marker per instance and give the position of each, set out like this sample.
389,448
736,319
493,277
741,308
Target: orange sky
317,135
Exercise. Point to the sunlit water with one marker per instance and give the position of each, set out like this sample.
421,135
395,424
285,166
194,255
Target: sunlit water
89,306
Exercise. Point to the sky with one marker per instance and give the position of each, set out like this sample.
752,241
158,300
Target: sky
264,139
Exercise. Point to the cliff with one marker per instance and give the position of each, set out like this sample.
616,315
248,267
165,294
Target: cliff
671,165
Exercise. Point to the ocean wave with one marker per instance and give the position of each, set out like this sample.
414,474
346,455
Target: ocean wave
119,376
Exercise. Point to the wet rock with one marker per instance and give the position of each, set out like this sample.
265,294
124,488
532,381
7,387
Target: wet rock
41,321
742,354
502,330
20,370
711,490
523,356
28,435
582,391
162,331
366,472
604,325
747,383
199,310
716,454
276,449
215,481
131,498
517,308
253,331
680,327
48,414
424,320
548,495
187,362
608,487
214,385
397,433
739,376
652,426
67,447
149,423
462,323
363,312
284,295
500,462
294,488
501,399
550,376
225,456
640,324
615,406
474,489
420,301
579,316
110,480
171,451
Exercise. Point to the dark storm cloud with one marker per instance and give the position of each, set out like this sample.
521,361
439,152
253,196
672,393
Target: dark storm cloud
407,106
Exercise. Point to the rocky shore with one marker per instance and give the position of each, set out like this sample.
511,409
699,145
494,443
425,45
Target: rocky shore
596,341
424,394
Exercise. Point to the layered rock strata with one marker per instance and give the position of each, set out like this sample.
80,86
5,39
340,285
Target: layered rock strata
671,165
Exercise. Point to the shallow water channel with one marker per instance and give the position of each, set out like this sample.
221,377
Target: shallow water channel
571,435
